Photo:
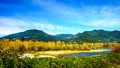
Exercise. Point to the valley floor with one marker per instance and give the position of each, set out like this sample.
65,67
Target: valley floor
51,59
54,54
67,52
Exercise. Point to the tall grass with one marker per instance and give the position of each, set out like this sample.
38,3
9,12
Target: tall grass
23,46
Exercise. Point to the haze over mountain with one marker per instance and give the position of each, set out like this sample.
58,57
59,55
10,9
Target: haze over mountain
87,36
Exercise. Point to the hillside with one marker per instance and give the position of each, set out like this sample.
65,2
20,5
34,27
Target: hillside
97,36
84,37
32,34
105,35
63,36
87,36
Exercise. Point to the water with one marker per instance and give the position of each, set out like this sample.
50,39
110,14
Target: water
88,53
85,54
104,49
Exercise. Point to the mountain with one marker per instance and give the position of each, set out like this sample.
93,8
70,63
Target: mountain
105,35
87,36
97,36
63,36
84,37
32,34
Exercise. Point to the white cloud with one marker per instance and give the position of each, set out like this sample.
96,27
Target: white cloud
104,17
108,23
59,27
96,16
43,25
110,12
9,30
13,25
12,22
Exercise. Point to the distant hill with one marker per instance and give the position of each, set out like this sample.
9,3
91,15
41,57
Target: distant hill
84,37
87,36
63,36
97,36
105,35
32,34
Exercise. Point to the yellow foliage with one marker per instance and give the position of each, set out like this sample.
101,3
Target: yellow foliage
22,46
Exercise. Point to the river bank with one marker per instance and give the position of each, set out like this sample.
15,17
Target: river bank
55,54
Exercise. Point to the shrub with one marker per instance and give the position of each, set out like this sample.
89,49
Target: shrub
116,49
104,61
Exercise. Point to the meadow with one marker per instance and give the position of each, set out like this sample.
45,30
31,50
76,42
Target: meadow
10,50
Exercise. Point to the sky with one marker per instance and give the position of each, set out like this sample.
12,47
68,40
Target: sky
59,16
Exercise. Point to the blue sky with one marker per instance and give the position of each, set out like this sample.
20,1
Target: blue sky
59,16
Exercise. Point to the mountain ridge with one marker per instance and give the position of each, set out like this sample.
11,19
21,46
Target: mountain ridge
97,36
86,36
32,34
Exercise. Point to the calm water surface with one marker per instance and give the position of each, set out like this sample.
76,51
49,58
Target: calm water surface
88,53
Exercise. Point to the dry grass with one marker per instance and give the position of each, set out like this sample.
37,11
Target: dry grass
60,52
36,46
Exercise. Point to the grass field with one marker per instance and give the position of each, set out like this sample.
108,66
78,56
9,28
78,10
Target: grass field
11,52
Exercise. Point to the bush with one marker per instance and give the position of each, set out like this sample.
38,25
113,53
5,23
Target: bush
65,62
9,60
114,58
116,49
12,60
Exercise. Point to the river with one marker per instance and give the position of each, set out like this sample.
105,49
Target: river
88,53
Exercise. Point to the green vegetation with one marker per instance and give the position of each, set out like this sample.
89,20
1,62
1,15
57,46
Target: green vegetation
84,37
109,36
96,36
11,60
9,57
